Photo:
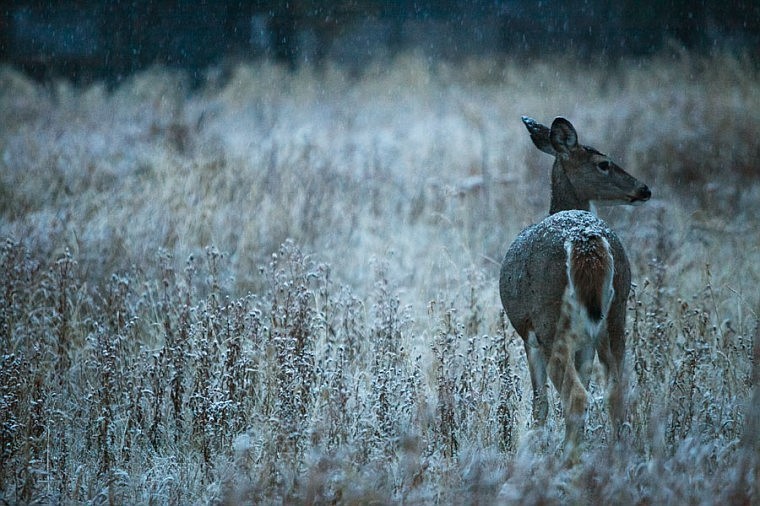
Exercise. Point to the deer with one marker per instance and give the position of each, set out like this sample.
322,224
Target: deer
564,281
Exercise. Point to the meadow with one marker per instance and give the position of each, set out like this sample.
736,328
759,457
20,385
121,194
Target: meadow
281,287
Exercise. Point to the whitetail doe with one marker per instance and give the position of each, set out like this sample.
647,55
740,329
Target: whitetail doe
564,281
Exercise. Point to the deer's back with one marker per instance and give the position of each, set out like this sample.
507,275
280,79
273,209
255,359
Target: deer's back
534,272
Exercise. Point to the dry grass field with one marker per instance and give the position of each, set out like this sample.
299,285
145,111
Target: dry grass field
281,288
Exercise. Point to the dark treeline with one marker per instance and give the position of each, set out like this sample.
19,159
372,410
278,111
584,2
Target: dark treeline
86,39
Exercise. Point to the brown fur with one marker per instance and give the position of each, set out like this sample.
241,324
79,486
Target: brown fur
590,269
572,247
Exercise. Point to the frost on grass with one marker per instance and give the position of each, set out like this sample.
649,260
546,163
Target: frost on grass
282,287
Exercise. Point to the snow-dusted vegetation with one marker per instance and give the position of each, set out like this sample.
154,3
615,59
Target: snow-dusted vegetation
281,287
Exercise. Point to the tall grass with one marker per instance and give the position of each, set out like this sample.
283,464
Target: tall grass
281,287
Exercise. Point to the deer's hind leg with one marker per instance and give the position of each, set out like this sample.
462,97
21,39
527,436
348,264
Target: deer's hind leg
584,363
564,376
611,354
537,368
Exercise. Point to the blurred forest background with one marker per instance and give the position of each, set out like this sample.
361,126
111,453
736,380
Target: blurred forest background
249,250
86,40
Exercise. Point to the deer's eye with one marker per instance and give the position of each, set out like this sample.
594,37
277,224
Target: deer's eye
603,166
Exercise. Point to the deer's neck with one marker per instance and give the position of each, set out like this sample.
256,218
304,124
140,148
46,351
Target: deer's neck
564,197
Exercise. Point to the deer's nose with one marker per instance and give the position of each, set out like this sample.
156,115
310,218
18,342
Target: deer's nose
642,194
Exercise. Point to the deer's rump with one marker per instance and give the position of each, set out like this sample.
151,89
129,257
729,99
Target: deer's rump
534,273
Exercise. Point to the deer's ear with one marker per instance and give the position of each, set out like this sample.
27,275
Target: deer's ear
563,136
539,134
